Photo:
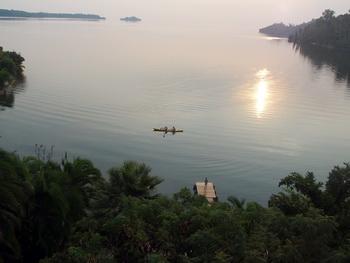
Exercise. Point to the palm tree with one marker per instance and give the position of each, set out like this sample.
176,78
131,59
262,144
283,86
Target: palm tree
62,197
84,186
236,203
132,179
14,195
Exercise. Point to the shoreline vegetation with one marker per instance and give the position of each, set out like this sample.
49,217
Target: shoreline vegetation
328,31
68,212
5,13
11,68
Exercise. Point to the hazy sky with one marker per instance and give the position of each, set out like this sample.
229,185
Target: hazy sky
246,12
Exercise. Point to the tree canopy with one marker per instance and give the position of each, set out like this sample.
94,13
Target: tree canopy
327,31
68,212
11,67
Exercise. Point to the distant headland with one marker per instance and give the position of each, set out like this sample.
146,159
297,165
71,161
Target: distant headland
5,13
281,30
131,19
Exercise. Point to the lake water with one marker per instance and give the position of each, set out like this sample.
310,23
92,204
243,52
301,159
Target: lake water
253,108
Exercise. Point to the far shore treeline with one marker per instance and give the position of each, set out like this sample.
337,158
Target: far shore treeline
68,212
23,14
11,67
328,31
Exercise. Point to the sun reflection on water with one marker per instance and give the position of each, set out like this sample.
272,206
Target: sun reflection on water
261,92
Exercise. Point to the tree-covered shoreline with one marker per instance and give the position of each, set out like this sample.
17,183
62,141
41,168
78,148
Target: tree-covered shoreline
68,212
11,67
328,31
23,14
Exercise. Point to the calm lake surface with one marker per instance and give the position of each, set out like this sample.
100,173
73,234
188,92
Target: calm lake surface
253,108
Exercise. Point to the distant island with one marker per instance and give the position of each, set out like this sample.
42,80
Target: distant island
131,19
328,31
23,14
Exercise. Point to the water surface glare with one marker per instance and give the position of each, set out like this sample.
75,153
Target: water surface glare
253,108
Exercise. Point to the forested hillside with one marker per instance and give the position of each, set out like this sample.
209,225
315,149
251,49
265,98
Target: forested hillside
328,31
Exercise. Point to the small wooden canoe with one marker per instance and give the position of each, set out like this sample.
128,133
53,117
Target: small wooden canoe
169,130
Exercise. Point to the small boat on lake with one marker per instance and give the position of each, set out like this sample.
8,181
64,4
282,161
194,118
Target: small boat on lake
170,130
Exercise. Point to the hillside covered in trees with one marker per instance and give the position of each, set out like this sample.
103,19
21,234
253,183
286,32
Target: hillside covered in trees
328,31
67,212
11,67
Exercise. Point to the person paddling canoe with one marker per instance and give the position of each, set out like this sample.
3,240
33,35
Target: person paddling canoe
165,131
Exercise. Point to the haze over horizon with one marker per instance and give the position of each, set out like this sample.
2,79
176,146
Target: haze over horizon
250,13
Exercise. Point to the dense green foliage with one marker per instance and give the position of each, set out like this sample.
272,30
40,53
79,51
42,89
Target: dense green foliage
327,31
68,212
11,67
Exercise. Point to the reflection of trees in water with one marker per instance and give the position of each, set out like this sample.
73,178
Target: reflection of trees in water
338,61
7,98
7,95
